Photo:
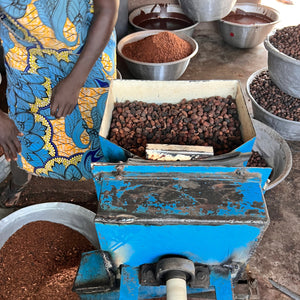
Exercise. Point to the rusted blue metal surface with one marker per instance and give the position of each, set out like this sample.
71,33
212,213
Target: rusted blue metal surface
147,212
213,216
177,191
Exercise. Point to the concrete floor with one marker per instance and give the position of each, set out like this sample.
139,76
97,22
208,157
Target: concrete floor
278,255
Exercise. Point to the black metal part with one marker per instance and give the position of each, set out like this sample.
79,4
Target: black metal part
150,277
201,279
101,282
147,275
175,274
168,265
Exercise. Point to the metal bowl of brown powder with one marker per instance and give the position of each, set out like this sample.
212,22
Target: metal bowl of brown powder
157,54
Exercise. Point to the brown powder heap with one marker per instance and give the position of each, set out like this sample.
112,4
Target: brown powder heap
40,261
158,48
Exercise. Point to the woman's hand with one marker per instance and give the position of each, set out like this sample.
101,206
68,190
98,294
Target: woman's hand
65,94
64,98
9,137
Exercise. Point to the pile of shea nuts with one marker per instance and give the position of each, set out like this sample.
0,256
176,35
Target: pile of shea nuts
287,41
273,100
211,121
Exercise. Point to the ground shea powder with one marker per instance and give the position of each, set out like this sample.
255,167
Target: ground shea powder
40,261
158,48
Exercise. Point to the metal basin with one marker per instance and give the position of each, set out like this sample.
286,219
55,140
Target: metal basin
248,35
156,71
289,130
73,216
283,69
162,17
206,10
275,150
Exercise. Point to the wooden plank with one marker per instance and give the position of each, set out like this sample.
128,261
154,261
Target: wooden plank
168,152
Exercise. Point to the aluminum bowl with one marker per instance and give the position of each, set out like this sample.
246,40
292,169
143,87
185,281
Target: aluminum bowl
160,12
276,152
283,69
206,10
248,36
156,71
289,130
71,215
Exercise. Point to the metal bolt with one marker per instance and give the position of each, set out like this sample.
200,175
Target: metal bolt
201,276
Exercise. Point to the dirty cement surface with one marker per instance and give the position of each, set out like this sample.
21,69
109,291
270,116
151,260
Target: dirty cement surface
278,254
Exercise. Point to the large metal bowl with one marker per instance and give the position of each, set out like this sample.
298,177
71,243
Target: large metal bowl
276,152
162,17
244,35
206,10
289,130
156,71
283,69
73,216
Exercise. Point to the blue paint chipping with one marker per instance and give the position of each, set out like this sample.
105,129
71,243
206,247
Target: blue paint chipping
210,215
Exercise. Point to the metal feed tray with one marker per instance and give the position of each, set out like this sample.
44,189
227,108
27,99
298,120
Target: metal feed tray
172,92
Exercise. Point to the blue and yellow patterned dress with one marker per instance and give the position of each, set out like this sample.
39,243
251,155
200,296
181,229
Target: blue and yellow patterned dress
42,40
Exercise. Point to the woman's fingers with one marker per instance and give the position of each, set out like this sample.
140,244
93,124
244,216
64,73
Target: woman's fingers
11,149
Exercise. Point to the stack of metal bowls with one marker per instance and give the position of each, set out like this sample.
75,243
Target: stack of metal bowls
156,71
248,35
206,10
284,72
162,17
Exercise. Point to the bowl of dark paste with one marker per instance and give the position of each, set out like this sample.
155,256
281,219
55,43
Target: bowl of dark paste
247,25
162,17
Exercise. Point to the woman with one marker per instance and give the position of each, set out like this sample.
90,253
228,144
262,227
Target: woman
59,59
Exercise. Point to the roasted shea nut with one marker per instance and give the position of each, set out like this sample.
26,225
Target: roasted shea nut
204,122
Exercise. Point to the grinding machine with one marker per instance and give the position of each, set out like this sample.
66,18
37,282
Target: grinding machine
172,228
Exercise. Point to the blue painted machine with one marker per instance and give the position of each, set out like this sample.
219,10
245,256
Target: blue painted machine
159,222
173,228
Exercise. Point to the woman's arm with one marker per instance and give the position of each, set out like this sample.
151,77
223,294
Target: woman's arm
65,94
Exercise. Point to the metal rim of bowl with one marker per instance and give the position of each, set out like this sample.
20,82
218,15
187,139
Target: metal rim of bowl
132,16
272,49
119,75
286,149
71,215
249,81
146,33
251,25
206,10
